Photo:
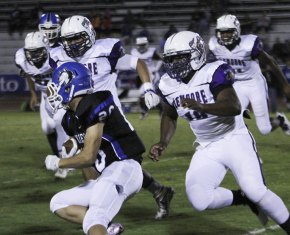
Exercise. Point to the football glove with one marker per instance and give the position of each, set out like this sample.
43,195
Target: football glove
51,162
151,98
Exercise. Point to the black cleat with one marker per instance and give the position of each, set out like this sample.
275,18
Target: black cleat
284,123
246,114
163,199
241,199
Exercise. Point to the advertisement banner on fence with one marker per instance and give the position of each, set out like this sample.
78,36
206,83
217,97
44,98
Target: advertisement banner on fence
12,83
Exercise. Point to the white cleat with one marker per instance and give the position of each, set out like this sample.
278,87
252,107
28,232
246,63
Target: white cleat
115,229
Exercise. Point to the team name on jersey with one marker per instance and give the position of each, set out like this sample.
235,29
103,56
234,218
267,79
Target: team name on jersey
197,96
92,67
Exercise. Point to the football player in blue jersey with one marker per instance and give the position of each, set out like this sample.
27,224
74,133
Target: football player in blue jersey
244,53
203,94
49,24
103,57
108,143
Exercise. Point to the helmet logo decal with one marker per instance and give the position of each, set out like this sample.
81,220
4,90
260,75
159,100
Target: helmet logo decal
65,77
86,23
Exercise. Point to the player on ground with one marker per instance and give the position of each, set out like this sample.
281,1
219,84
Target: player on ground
203,95
103,57
33,61
244,53
108,144
153,61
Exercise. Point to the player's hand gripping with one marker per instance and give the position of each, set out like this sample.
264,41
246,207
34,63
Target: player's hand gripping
191,104
69,148
151,98
51,162
156,151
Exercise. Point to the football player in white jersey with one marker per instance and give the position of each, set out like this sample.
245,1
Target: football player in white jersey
49,24
103,57
153,61
203,94
244,53
33,61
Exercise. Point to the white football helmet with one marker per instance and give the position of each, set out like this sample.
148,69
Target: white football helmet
228,23
142,44
184,52
77,35
36,47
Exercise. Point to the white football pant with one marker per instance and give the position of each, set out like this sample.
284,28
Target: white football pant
209,166
255,92
52,122
103,196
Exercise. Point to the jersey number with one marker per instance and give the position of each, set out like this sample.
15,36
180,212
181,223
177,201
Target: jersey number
194,115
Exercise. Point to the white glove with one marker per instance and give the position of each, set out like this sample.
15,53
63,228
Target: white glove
151,98
69,148
51,162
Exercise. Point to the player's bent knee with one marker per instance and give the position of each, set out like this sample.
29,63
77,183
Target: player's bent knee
56,203
265,130
95,216
254,193
198,197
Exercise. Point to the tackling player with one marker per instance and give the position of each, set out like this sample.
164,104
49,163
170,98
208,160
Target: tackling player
244,53
103,57
203,94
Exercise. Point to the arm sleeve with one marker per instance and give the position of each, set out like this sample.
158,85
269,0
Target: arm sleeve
222,78
257,48
127,62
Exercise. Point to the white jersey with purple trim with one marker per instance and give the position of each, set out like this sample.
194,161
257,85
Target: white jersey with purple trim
100,59
146,56
240,58
40,76
206,127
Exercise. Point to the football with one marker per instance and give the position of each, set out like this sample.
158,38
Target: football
69,148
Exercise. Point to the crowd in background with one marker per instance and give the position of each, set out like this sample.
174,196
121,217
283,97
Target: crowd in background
200,22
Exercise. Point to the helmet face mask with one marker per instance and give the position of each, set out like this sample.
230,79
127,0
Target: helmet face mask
69,80
142,44
36,56
227,29
49,25
184,52
36,48
76,45
77,36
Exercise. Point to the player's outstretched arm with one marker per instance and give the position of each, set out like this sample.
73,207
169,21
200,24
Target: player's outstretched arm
167,130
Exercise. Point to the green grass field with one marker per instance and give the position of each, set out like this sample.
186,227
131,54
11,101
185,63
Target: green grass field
26,186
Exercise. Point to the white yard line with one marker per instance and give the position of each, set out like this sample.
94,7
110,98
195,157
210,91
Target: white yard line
262,230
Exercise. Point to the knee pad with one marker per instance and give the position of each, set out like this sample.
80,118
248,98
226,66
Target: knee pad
264,126
56,203
199,197
93,217
254,193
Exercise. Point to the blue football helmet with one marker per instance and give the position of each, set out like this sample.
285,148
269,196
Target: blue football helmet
50,25
69,80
